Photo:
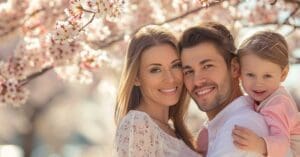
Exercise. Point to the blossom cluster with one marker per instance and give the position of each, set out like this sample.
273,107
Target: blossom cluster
60,48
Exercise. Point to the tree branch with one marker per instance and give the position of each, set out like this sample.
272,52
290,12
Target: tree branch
274,2
90,21
35,75
120,37
292,13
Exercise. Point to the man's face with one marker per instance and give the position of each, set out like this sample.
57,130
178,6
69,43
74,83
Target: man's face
206,77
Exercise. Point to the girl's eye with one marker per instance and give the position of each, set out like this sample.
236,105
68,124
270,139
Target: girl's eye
267,76
250,75
155,70
177,65
207,66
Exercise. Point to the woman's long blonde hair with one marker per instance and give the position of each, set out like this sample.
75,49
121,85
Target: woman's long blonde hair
129,95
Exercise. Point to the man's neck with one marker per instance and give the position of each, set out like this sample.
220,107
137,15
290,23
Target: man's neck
236,92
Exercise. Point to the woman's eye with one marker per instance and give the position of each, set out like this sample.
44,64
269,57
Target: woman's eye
155,70
177,65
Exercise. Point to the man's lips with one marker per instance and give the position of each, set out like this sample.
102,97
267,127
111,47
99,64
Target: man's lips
204,90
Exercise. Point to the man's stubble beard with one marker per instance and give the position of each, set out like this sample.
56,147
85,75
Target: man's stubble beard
220,100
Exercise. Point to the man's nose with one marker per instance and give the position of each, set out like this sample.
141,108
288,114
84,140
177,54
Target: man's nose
199,78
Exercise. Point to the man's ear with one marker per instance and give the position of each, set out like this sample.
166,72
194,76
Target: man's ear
284,73
235,68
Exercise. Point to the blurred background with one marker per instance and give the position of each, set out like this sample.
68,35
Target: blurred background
57,99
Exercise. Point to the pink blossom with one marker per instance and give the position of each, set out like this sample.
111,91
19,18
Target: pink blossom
12,93
63,53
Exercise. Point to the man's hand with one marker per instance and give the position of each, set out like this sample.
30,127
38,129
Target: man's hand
246,139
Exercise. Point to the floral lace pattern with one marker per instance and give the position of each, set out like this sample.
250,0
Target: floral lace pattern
139,136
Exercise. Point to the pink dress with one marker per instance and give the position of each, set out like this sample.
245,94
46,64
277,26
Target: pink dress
283,119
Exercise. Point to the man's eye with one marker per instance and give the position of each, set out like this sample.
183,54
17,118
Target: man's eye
155,70
187,72
207,66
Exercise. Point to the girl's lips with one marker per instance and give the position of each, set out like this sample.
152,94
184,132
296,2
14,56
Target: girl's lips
259,91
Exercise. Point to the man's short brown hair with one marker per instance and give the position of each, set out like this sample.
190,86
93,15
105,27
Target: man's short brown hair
211,32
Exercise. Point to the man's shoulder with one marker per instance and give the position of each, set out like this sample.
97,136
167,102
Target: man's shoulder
244,110
249,119
246,114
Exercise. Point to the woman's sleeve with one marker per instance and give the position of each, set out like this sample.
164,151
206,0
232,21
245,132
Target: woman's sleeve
136,137
279,117
202,141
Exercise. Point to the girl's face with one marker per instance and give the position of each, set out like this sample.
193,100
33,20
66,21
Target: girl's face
260,77
160,76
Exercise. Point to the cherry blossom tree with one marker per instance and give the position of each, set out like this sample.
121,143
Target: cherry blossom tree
82,41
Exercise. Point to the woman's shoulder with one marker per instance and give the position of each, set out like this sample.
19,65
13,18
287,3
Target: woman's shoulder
136,116
136,119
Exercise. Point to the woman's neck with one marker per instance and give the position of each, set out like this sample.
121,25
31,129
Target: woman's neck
155,111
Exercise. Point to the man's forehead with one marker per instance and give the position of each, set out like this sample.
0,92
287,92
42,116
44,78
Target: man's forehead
200,56
206,48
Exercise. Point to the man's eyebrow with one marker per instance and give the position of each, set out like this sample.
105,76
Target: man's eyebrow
205,61
201,63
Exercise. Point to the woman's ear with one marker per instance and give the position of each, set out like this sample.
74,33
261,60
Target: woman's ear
284,73
137,81
235,68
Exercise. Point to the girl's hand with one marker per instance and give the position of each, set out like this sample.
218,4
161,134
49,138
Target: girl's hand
246,139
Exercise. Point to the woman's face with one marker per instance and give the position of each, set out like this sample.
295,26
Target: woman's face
160,76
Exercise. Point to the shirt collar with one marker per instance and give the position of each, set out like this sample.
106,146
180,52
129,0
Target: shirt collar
234,107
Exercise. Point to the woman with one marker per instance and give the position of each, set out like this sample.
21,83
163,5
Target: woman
152,102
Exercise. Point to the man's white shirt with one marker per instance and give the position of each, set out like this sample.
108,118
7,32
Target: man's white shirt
239,112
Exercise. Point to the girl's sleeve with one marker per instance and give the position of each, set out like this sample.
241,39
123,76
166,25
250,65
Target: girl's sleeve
279,116
136,137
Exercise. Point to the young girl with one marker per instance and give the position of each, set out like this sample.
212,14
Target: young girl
151,95
264,65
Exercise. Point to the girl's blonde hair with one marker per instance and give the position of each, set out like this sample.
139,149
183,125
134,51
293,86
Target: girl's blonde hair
266,45
129,95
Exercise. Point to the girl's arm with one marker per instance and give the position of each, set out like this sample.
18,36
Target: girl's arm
278,115
246,139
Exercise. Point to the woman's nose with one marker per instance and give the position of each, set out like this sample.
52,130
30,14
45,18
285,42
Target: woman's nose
169,76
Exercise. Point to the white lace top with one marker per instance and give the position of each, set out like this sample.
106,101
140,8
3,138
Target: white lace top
139,136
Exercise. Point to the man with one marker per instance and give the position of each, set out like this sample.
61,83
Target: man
211,72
